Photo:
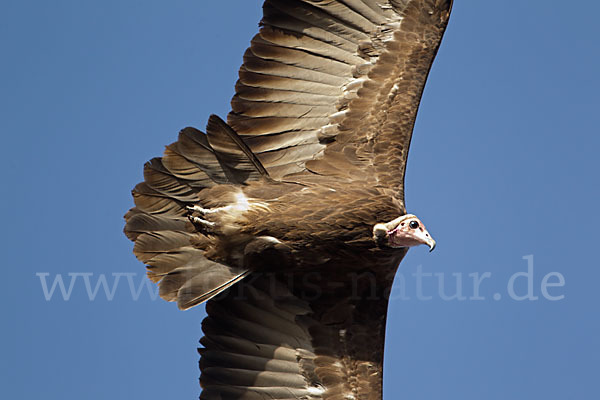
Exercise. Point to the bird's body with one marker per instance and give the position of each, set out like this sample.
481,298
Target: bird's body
302,215
289,219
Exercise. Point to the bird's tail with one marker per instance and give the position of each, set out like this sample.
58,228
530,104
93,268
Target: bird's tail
165,239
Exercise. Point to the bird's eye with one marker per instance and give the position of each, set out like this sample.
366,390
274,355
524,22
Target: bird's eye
413,224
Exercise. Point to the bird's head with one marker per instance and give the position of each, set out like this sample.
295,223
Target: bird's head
404,231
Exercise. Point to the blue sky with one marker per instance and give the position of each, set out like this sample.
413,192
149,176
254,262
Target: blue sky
504,165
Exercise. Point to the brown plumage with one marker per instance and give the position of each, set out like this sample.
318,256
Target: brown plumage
289,218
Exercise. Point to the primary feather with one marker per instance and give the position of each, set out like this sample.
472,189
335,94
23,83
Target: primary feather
286,218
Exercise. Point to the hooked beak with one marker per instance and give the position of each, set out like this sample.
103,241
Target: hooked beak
431,243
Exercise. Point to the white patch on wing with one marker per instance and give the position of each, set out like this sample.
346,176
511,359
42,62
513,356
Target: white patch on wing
270,239
229,216
354,84
316,390
198,220
243,204
338,116
327,131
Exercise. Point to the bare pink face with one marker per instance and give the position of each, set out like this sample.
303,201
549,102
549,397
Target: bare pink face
405,231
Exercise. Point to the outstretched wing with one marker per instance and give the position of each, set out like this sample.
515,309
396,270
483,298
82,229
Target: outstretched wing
310,335
337,81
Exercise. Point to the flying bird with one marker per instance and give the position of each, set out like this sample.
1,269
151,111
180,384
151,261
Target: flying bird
288,219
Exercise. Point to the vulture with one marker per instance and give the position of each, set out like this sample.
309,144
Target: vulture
288,219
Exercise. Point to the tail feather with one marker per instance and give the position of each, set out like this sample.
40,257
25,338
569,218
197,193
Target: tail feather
152,202
164,237
197,282
140,222
164,181
237,160
192,145
207,284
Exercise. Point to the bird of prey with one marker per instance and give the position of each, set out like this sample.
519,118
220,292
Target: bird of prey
289,218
